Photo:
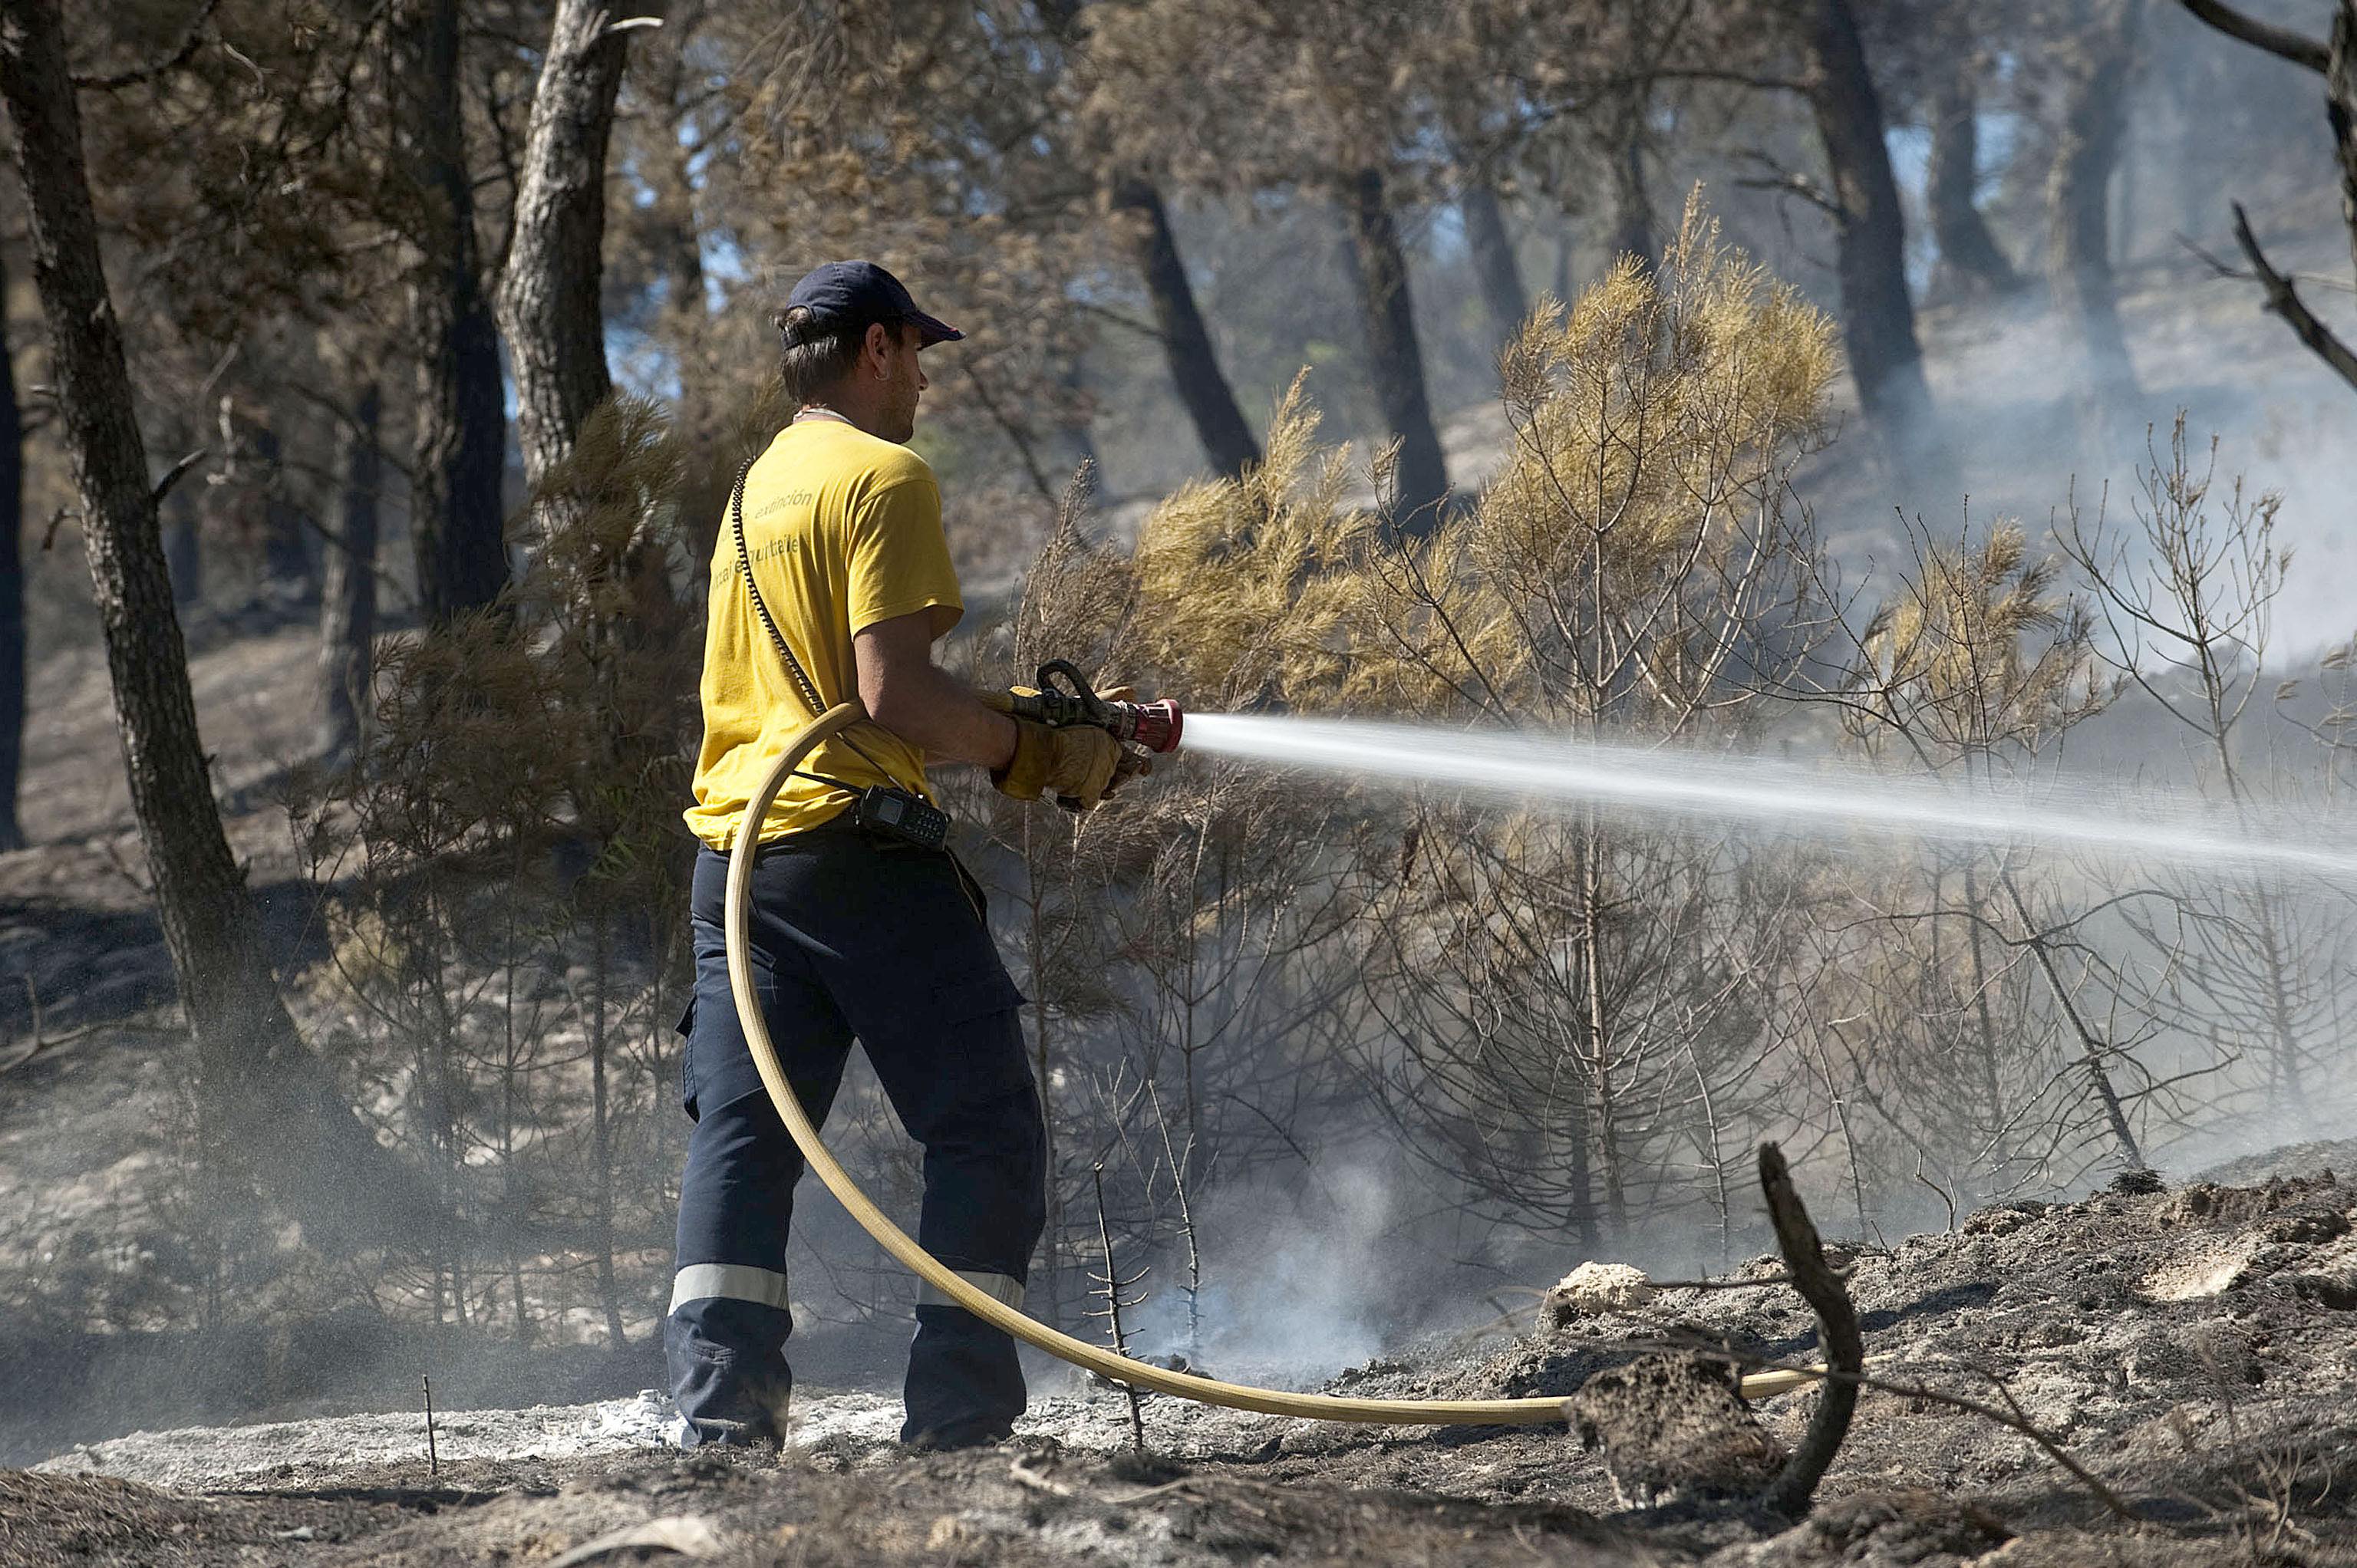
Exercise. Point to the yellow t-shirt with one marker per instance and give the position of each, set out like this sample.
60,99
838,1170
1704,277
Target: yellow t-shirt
845,530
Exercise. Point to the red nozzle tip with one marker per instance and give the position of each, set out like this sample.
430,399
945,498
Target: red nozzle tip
1158,726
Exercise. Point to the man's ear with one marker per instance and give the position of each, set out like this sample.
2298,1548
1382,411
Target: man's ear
876,348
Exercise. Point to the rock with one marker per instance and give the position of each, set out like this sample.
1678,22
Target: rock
1673,1426
1594,1288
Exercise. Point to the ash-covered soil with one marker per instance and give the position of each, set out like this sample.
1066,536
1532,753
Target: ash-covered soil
2192,1350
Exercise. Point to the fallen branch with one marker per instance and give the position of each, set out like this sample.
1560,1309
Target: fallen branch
1817,1285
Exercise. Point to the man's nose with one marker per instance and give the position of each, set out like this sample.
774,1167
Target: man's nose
923,382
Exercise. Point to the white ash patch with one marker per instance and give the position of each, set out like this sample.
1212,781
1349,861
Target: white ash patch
198,1458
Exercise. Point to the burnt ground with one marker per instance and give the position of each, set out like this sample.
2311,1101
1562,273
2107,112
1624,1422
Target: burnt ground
2192,1350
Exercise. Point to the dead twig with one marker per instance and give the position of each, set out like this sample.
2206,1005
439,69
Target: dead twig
1944,1195
433,1455
1114,1300
1763,1283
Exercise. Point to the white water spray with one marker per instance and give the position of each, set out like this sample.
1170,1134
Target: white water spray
1542,770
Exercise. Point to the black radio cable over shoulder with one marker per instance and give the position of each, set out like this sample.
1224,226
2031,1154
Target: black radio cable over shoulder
762,607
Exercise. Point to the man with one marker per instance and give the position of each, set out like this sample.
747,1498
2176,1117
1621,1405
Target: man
854,933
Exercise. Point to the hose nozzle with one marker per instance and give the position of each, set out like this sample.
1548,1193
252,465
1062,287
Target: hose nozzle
1154,725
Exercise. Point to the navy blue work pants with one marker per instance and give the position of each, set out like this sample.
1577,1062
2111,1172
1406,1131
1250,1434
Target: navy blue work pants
852,936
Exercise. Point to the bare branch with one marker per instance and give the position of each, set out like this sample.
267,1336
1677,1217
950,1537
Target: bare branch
2283,299
2281,42
177,472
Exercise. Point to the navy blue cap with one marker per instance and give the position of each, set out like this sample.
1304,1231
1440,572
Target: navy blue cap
862,291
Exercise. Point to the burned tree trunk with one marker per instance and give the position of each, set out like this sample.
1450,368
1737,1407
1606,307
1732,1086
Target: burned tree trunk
255,1075
1492,249
1877,315
549,303
1970,264
2078,205
11,591
1394,363
457,512
348,594
1220,426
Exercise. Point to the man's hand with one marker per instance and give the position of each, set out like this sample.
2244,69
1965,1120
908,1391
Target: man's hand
905,692
1128,763
1075,764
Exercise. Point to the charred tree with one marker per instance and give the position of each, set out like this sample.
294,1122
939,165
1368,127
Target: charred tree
1394,363
1877,314
549,303
348,591
1837,1332
1195,371
11,591
1970,264
457,511
255,1077
2078,205
1491,249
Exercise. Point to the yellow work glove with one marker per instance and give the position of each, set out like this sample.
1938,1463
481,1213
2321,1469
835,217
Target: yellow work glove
1075,765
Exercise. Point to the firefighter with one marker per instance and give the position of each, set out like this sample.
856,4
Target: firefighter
831,583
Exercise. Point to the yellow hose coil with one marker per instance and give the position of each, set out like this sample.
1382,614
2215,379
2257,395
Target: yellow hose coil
1080,1353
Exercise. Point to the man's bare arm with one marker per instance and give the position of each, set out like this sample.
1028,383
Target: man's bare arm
905,692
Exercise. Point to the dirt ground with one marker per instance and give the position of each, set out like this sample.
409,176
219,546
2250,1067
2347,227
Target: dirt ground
2192,1350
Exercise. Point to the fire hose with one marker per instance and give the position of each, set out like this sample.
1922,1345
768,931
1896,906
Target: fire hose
1105,1363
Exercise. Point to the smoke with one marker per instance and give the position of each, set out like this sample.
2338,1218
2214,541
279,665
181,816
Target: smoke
1296,1284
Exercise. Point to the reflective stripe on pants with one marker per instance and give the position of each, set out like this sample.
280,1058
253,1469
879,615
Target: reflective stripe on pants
729,1281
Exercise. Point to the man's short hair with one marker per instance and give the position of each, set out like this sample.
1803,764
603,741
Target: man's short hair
818,352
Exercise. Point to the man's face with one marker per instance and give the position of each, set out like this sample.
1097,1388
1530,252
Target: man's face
904,380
